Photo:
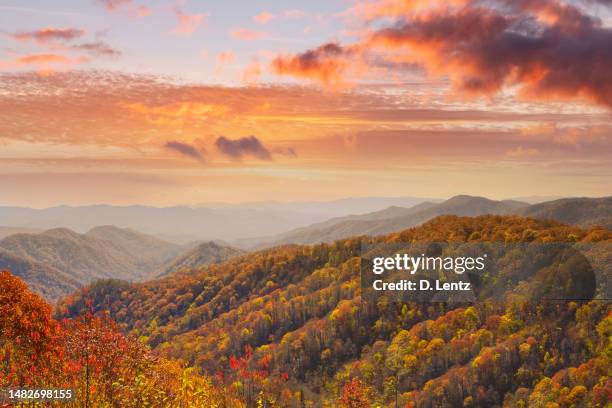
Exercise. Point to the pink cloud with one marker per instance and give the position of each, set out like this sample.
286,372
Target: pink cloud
49,34
128,6
263,17
225,57
295,13
44,63
544,50
252,73
187,23
246,34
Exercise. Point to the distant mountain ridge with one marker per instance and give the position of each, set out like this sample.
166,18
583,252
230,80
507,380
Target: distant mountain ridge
389,220
581,211
184,224
57,261
584,212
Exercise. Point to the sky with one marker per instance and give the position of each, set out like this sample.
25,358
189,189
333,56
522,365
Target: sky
189,102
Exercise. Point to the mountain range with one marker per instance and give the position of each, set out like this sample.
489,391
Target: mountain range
185,224
57,261
385,221
297,323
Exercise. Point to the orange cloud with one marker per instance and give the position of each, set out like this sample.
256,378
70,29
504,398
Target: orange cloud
63,39
49,34
327,64
175,113
43,62
138,111
263,17
187,23
370,134
246,34
548,49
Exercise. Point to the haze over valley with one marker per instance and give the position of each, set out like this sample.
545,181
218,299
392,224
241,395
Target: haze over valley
57,261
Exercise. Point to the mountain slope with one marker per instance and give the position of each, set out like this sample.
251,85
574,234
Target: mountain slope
388,220
51,283
585,212
150,251
104,252
202,254
302,312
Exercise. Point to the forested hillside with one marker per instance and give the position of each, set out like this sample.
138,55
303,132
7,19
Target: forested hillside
86,362
292,326
57,261
202,254
50,282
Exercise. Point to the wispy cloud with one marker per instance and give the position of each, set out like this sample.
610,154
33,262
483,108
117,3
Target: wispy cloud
64,39
44,63
187,23
223,59
252,73
246,34
49,34
127,6
263,17
97,48
186,150
294,13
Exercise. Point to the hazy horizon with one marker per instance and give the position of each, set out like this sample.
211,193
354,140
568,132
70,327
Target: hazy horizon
530,199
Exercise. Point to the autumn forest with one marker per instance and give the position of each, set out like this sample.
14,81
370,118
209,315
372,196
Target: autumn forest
291,327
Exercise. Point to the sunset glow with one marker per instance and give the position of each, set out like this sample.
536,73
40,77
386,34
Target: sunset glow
186,102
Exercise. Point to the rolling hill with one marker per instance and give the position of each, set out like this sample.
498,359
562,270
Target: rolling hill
103,252
50,282
57,261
